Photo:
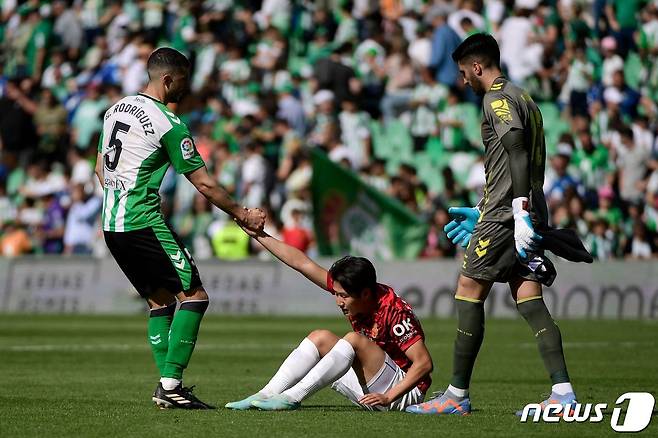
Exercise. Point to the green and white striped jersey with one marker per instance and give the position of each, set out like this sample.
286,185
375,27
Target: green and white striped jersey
140,139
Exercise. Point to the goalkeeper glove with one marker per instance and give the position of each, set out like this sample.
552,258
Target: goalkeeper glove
525,238
460,229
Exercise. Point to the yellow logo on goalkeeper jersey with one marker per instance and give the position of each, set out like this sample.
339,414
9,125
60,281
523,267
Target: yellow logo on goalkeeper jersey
501,108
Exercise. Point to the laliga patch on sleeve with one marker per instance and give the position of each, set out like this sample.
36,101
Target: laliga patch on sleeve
187,148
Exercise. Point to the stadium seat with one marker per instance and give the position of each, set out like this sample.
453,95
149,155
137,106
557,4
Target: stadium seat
554,126
399,140
379,144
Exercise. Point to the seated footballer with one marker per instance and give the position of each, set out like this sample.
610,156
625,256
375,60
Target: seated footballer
382,365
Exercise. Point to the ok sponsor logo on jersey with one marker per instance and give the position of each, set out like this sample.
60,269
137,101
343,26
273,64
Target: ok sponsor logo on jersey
404,330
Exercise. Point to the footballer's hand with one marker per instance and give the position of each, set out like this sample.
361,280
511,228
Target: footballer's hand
249,232
375,399
460,229
525,237
253,219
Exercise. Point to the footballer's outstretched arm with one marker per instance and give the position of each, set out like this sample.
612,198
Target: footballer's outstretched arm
294,258
252,218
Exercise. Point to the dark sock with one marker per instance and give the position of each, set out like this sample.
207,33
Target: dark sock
470,333
158,332
182,337
548,337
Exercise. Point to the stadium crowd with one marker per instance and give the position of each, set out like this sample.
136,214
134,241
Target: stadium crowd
370,82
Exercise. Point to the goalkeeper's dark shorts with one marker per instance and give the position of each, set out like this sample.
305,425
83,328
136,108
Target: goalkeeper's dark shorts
153,258
491,255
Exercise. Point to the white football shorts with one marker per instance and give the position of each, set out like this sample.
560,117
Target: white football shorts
387,377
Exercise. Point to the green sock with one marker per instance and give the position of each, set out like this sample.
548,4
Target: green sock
548,337
182,337
158,332
470,333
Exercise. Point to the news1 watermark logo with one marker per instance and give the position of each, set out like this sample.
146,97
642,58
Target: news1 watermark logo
637,414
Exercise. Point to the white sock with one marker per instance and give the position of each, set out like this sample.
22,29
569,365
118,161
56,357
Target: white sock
458,391
329,369
562,388
297,365
169,383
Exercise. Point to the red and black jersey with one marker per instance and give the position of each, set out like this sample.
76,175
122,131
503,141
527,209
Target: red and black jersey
394,327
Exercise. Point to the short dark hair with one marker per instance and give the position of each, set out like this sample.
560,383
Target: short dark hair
355,274
166,60
480,46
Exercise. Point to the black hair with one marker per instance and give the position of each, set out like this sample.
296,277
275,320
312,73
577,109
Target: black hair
627,132
355,274
166,60
480,46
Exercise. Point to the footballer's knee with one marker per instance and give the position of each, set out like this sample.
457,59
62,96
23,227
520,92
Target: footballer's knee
472,288
356,340
324,340
522,290
160,298
196,294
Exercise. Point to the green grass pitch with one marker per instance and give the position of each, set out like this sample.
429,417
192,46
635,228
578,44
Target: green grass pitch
89,376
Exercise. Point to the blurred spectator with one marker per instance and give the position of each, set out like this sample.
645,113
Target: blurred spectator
420,49
612,62
42,181
607,211
444,41
14,240
67,28
640,245
81,222
399,83
87,120
355,132
592,163
335,73
520,50
558,183
601,242
193,228
50,120
229,242
578,82
253,172
57,73
16,122
296,232
51,230
428,96
632,162
290,109
438,244
621,95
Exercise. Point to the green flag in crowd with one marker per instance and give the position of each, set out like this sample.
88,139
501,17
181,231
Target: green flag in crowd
352,217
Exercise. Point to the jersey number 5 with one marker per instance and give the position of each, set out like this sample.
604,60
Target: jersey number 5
115,145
